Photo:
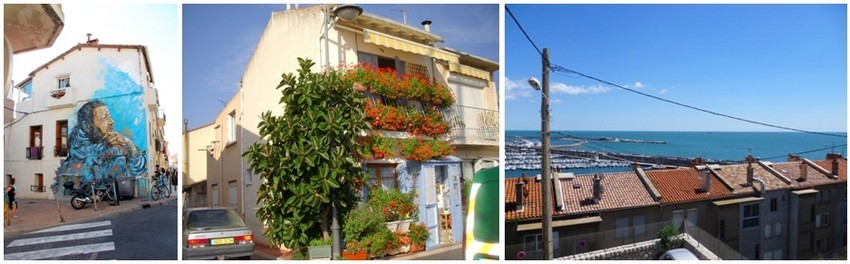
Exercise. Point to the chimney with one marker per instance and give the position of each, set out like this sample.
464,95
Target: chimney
833,156
427,25
793,158
520,196
749,173
706,180
804,173
597,188
749,159
835,168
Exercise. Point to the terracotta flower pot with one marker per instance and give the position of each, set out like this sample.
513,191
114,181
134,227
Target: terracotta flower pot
355,255
416,248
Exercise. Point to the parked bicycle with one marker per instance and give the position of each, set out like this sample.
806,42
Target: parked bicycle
102,192
160,188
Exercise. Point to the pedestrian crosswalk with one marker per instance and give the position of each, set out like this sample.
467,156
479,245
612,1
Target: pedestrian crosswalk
76,241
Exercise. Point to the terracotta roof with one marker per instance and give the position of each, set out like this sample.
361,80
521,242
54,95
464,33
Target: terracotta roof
684,185
621,191
736,175
792,171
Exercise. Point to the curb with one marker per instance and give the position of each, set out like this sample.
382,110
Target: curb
141,206
437,251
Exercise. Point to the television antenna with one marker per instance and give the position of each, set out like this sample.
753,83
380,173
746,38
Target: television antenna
403,14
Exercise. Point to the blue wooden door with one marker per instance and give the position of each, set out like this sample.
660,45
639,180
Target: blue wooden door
455,202
428,205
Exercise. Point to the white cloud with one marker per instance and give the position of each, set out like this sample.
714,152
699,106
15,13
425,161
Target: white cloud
662,91
636,85
576,90
557,101
515,89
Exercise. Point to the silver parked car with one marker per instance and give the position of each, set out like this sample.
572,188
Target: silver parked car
678,254
215,233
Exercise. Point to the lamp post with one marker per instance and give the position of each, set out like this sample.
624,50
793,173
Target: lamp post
545,171
346,13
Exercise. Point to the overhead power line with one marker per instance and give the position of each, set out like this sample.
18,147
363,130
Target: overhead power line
557,68
807,151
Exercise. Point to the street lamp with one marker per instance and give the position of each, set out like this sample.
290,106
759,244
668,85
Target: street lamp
347,13
545,156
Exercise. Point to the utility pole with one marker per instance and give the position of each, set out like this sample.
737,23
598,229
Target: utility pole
545,169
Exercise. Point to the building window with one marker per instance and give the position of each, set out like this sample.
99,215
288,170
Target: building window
61,146
64,82
638,222
768,232
777,254
34,150
751,215
773,205
777,229
722,232
622,227
534,244
417,69
383,175
812,213
822,220
215,197
382,62
39,183
678,218
233,196
758,251
231,127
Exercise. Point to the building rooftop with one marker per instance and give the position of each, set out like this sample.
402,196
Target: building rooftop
621,191
685,185
736,176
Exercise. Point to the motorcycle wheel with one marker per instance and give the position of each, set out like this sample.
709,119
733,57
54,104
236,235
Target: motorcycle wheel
78,202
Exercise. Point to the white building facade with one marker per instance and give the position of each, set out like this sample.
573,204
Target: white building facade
90,113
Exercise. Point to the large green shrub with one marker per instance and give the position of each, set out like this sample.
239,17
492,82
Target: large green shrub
305,156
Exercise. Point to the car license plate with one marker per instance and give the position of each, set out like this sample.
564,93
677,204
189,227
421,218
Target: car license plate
221,241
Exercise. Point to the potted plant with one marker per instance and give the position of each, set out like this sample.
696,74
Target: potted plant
402,241
320,248
355,250
379,243
418,234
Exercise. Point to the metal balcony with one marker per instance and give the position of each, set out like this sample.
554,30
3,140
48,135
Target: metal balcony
34,153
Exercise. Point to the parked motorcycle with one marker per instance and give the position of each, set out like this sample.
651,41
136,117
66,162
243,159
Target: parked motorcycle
83,195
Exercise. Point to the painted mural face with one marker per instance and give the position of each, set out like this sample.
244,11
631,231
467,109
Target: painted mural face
102,120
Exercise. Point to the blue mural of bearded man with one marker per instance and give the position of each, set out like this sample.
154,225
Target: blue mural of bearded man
97,151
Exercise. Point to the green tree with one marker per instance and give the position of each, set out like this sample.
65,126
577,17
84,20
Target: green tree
306,156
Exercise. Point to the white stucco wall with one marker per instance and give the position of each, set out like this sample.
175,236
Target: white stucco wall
84,67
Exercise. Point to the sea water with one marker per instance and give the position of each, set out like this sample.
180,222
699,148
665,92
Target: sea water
768,146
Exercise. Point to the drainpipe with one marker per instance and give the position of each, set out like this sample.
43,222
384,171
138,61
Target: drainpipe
242,146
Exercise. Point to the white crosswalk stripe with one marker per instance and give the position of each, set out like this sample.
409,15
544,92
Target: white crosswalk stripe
67,240
75,236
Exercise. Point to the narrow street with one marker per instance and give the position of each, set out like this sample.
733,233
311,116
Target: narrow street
142,234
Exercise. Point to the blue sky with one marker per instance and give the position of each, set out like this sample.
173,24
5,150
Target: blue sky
779,64
218,41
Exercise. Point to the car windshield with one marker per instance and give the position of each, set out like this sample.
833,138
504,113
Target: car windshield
209,219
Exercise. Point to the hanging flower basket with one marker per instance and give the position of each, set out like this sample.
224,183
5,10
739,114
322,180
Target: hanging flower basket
57,94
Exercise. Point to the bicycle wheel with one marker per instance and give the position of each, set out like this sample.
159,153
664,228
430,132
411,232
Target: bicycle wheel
167,191
155,193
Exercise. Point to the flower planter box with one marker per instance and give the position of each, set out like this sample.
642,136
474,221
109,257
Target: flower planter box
355,255
392,226
416,248
404,225
320,252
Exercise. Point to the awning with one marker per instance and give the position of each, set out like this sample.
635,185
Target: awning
737,201
560,223
470,71
408,46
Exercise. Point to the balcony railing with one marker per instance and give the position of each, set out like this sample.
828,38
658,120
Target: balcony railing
472,125
37,188
34,153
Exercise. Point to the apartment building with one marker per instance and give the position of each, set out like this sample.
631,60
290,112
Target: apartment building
314,33
198,145
756,210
